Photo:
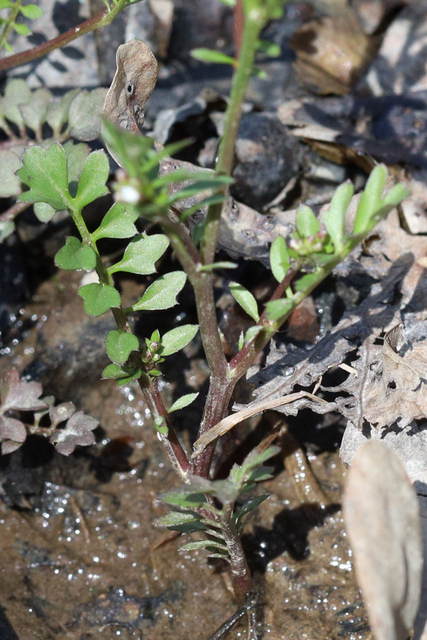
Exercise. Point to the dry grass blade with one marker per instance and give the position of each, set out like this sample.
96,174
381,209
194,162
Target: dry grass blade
228,423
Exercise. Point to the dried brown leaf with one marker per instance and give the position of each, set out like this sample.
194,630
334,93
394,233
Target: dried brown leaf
20,395
12,434
382,520
332,53
77,431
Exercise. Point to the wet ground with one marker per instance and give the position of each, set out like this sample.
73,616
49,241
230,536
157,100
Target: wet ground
80,556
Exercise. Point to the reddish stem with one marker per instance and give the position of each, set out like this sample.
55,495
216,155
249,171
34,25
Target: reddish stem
60,41
239,20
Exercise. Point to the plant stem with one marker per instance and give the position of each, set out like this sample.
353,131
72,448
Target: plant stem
147,385
231,127
9,24
102,19
240,573
202,282
14,211
216,406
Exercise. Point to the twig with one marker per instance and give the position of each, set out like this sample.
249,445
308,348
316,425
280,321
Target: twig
102,19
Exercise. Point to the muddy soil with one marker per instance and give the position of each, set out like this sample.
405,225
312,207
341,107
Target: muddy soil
80,555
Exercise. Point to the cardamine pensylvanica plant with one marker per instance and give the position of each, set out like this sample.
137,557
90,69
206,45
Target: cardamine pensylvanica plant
216,508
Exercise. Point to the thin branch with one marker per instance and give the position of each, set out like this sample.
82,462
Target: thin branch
102,19
14,211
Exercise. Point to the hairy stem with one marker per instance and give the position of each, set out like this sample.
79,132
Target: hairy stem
240,573
216,408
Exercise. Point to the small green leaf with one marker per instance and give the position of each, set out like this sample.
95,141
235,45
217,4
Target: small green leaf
162,293
75,256
370,199
252,332
218,265
57,113
92,181
123,375
307,282
160,425
7,227
209,181
16,93
84,116
31,11
206,202
76,154
176,339
118,222
155,336
307,223
279,258
208,55
119,345
182,402
129,150
98,298
183,499
395,195
249,506
10,162
43,211
45,172
269,48
142,254
245,299
278,308
241,474
190,527
174,518
334,219
35,111
6,4
21,29
241,342
205,544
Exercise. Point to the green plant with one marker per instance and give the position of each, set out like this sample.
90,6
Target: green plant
102,19
30,117
30,11
213,507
